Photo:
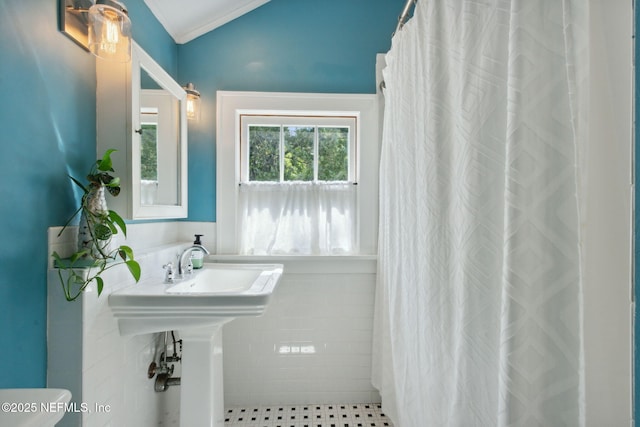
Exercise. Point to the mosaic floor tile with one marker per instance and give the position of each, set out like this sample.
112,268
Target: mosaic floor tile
338,415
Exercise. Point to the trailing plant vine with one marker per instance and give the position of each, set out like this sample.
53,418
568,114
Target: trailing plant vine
94,255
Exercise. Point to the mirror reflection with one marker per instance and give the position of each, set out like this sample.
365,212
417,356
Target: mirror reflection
159,143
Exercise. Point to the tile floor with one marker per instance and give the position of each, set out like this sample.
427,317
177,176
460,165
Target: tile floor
339,415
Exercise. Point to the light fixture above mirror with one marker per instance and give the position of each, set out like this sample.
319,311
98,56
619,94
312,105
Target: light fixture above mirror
193,102
102,27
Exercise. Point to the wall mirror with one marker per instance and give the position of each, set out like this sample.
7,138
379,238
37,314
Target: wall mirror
155,134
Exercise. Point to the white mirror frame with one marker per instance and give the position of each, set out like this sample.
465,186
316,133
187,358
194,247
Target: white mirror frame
118,117
140,59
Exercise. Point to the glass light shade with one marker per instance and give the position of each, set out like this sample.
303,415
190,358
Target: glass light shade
193,107
193,102
110,32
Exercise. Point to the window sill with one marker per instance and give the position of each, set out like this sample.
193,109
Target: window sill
308,264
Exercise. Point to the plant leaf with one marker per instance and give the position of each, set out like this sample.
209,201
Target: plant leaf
77,255
105,178
134,268
102,231
78,280
106,164
69,221
79,184
125,252
119,221
100,284
113,228
114,191
113,182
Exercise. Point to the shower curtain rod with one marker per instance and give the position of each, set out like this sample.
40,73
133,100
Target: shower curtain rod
402,19
405,14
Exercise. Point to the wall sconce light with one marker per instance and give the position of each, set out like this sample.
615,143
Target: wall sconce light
102,27
193,102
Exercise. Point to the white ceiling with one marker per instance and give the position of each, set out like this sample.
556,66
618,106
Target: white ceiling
185,20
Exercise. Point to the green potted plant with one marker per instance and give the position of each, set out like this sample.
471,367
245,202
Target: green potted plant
95,252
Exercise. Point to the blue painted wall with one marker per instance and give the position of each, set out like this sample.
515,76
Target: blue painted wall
285,45
47,123
47,118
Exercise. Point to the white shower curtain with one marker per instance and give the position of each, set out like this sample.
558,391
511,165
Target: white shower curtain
479,302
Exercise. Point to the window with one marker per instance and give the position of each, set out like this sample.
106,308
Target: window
287,165
298,148
297,176
148,155
149,152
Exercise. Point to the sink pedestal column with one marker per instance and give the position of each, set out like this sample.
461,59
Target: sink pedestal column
201,386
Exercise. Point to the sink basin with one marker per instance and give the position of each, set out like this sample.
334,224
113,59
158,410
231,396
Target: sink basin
197,308
219,281
33,407
213,294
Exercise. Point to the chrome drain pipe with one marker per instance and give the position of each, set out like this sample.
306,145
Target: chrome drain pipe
164,381
164,370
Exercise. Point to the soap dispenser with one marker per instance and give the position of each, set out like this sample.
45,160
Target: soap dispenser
197,257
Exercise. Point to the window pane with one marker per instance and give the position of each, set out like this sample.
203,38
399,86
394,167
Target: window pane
333,154
264,153
298,153
149,155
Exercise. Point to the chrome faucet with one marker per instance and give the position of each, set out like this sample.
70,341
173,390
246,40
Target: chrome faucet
187,252
169,276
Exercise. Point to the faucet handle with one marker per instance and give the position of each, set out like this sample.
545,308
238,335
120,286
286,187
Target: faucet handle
170,274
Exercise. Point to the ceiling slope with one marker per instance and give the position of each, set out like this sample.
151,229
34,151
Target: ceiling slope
186,20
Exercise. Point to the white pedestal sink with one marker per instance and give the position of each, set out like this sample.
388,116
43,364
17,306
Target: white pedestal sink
33,407
197,308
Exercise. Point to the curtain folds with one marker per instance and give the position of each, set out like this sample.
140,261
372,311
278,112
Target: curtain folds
479,299
298,218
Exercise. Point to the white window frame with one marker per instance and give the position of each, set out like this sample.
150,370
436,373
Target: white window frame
316,120
230,108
